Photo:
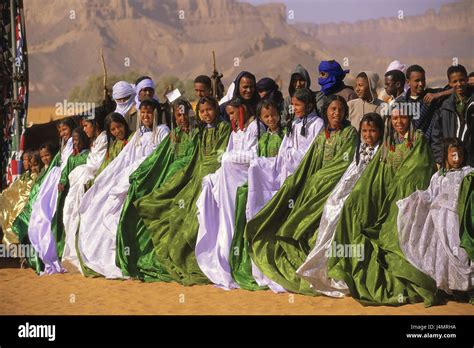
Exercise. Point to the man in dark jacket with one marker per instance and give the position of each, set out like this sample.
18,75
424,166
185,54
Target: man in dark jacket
455,117
422,108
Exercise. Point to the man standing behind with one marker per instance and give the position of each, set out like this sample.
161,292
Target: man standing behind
422,101
455,117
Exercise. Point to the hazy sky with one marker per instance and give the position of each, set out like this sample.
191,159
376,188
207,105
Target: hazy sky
320,11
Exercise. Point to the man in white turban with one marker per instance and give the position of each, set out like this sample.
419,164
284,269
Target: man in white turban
124,95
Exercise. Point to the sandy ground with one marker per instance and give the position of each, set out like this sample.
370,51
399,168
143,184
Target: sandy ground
23,292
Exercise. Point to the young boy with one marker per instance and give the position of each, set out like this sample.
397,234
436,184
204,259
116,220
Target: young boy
202,86
424,101
366,90
455,117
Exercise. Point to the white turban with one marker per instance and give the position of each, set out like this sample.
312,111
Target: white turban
396,65
120,90
146,83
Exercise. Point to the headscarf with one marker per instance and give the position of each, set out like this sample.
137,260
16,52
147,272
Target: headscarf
269,85
252,103
335,78
299,70
123,89
396,65
145,83
373,80
228,96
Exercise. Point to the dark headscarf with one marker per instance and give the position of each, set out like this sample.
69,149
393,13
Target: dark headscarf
269,85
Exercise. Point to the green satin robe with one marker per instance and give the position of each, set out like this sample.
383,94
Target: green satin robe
381,275
466,215
283,233
170,212
134,255
239,258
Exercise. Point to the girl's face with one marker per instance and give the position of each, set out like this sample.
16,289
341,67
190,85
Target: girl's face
370,133
335,114
64,132
181,117
89,129
77,143
35,165
46,156
455,158
26,161
117,130
234,113
146,114
207,112
270,118
298,107
400,122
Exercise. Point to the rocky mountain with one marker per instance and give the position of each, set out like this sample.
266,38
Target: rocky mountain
176,37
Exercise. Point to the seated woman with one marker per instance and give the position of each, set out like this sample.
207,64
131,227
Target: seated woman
44,207
134,246
428,224
283,233
366,255
100,207
66,220
314,269
216,203
169,212
267,174
269,143
14,198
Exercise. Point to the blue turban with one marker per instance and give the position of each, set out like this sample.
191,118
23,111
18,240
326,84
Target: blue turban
336,75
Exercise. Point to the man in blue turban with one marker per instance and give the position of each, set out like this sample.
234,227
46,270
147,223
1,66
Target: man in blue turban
331,78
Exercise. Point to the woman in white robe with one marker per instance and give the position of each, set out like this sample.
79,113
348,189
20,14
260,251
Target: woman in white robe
78,179
428,225
101,206
216,203
44,208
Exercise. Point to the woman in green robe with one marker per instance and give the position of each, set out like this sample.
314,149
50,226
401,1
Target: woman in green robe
268,146
466,218
381,275
134,253
170,212
466,215
282,234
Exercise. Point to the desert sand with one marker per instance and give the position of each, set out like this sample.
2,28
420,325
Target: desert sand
23,292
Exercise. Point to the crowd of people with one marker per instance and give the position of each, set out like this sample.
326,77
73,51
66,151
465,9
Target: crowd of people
341,191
